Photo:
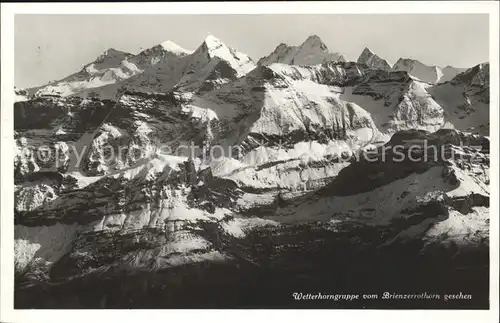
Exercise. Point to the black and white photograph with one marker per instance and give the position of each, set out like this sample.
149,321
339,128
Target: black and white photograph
252,161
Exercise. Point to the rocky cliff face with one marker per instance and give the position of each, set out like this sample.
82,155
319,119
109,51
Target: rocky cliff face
445,182
171,213
205,167
465,100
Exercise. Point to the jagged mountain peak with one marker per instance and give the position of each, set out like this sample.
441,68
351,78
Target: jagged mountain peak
314,41
401,62
372,60
213,48
213,42
282,46
111,52
406,62
367,51
312,51
478,75
172,47
211,38
484,65
312,38
167,50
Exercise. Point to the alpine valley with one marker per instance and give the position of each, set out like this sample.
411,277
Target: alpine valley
291,186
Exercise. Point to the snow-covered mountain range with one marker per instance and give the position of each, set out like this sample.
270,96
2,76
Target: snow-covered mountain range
311,52
167,65
159,68
282,197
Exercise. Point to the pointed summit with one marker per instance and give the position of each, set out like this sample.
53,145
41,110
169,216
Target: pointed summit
213,42
372,60
313,39
210,66
366,54
212,49
211,46
367,51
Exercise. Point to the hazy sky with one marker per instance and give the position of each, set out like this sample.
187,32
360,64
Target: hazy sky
50,47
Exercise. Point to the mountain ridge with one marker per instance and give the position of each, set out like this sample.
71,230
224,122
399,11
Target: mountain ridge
312,51
114,67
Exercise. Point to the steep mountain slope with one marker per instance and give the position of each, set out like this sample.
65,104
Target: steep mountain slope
252,119
430,74
312,51
396,101
465,99
213,64
280,103
108,68
279,112
372,60
449,72
430,196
